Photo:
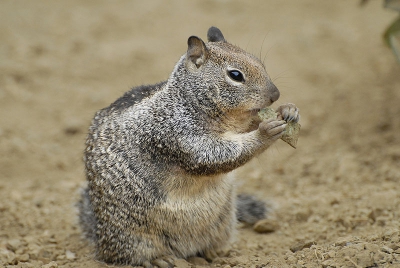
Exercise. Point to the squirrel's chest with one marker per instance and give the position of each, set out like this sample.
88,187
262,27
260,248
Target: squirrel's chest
198,193
192,200
196,217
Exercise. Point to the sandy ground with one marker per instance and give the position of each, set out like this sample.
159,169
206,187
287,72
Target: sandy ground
336,197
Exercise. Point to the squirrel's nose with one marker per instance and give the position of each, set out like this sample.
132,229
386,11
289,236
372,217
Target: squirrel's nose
274,92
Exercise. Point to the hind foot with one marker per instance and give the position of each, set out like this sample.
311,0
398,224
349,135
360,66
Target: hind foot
163,262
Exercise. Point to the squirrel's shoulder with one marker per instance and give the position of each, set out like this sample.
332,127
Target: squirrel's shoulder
129,99
135,96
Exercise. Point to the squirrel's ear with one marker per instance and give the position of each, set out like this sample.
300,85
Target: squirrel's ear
215,35
197,52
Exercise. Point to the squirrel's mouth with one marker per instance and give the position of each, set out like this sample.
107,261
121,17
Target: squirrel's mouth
254,112
258,107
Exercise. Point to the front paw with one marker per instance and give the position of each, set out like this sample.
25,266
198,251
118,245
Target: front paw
272,129
288,112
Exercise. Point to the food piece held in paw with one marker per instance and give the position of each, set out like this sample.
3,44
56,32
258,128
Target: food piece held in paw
292,130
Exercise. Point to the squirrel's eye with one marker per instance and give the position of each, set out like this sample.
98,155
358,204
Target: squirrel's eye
236,75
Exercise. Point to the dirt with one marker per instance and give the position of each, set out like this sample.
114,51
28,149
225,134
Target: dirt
336,197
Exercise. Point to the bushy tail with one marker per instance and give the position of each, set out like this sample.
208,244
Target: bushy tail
249,209
87,219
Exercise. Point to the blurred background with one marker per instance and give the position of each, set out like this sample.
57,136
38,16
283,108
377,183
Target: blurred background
337,195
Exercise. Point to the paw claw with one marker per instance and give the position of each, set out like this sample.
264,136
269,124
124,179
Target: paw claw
289,112
162,262
209,255
147,264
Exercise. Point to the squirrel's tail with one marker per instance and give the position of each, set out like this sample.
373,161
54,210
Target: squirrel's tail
87,219
249,209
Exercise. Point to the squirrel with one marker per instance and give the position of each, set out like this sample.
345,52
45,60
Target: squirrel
158,160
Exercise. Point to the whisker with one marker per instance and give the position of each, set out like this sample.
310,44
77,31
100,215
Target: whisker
248,42
262,46
266,54
280,76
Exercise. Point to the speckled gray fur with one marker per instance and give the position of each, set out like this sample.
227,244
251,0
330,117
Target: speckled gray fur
157,158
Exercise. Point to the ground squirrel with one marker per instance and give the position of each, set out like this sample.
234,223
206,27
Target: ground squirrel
157,159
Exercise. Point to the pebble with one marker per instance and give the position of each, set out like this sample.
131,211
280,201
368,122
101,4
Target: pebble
328,263
14,244
26,265
386,249
51,264
394,246
390,234
7,256
20,251
23,257
332,254
265,226
70,255
60,257
52,240
344,241
292,259
302,245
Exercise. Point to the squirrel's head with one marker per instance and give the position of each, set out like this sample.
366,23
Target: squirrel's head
234,79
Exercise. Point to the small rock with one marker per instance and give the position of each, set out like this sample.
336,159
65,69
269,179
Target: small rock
14,244
7,256
366,259
26,265
332,254
265,226
52,240
34,252
394,246
302,245
327,263
23,257
45,255
303,215
301,263
60,257
386,250
344,241
70,255
51,264
375,213
3,254
292,260
20,251
221,261
390,234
